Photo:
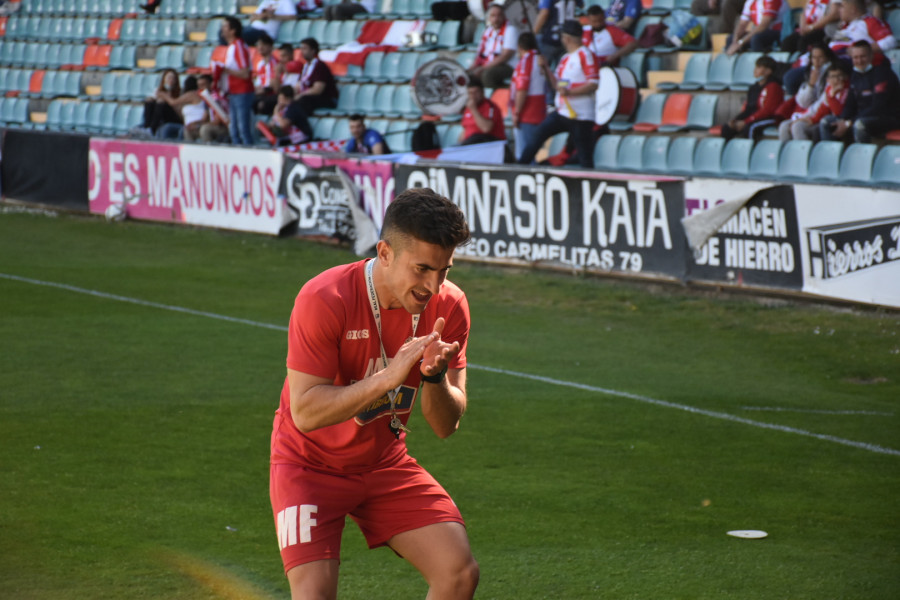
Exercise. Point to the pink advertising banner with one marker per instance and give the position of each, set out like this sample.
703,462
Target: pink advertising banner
211,186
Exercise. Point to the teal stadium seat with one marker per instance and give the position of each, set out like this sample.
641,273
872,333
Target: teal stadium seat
694,74
400,133
649,115
793,163
856,164
630,153
764,159
720,73
384,102
825,161
346,103
886,168
708,156
736,157
606,152
742,77
702,113
79,117
654,156
390,67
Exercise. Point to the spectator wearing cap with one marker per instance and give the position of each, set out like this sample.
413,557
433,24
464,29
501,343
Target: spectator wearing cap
268,18
496,56
575,81
482,120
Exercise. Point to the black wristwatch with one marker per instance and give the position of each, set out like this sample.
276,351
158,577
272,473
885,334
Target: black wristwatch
436,378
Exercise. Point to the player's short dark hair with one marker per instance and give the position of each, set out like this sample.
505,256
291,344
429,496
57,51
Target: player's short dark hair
356,117
265,38
527,41
234,24
205,77
287,47
595,9
767,62
312,43
475,82
286,91
839,67
425,215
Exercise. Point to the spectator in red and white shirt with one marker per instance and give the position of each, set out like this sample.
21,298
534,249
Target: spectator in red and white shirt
266,80
607,43
832,102
288,70
758,28
527,98
817,16
239,75
858,25
496,56
761,106
575,81
482,120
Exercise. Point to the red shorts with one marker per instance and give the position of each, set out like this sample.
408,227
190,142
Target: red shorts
310,507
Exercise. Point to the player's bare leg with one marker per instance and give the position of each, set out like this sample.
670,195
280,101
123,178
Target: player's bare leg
315,580
442,554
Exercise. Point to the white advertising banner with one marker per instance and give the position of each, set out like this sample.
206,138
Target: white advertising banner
850,240
212,186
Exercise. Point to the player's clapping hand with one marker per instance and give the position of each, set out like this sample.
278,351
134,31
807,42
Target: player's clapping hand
438,353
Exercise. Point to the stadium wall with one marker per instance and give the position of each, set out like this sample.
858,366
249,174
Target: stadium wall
830,241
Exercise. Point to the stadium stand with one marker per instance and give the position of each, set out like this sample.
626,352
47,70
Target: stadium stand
86,65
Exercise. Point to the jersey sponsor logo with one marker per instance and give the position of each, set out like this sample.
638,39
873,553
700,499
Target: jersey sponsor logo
357,334
295,524
405,397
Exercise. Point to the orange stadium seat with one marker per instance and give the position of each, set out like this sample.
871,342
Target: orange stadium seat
675,112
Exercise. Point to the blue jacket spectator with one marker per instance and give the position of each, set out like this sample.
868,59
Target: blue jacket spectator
364,140
624,14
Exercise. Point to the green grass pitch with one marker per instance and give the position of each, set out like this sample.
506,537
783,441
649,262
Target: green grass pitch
615,432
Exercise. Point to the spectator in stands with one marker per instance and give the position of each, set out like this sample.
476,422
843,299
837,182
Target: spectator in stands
815,20
317,87
216,130
450,10
288,70
265,77
307,6
859,25
802,97
192,109
763,99
364,140
832,103
527,93
873,106
606,42
267,19
550,17
496,55
289,123
346,9
157,111
482,120
758,28
727,11
237,69
151,6
624,14
575,81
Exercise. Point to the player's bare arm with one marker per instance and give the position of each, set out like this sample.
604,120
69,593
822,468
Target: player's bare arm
316,402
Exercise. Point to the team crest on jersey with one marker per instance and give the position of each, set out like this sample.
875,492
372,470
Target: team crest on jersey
405,398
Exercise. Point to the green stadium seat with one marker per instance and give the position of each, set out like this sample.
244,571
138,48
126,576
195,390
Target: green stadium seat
720,73
400,133
649,114
79,116
702,114
736,157
680,157
630,154
384,102
389,68
654,155
694,74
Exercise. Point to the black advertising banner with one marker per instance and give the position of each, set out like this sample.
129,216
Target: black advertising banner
326,203
838,250
630,226
45,168
758,246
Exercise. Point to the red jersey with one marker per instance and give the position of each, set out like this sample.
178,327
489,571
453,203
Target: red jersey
770,98
831,104
604,42
489,110
755,10
529,77
264,72
333,334
238,57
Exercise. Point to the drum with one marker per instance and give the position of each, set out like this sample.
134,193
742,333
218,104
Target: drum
617,95
439,87
521,13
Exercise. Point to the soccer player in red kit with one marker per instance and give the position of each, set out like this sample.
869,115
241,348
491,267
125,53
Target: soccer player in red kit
366,340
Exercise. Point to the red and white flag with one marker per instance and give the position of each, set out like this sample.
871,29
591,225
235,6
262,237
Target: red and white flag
384,36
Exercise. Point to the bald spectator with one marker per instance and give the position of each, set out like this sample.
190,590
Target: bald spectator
496,56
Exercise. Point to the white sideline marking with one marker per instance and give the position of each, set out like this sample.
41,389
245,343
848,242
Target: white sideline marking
814,411
571,384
